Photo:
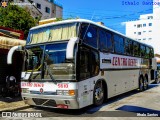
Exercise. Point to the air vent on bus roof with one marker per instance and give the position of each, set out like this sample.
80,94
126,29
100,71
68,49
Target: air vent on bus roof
100,23
41,22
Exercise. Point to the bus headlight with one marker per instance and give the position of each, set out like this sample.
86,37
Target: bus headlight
25,90
66,92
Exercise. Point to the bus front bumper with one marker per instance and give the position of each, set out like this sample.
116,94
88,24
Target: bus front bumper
56,101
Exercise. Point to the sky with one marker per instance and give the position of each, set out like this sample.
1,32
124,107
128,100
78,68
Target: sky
113,13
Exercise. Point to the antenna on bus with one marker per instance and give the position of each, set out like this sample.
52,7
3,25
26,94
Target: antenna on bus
89,24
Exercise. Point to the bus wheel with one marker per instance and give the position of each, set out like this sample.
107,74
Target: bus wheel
145,84
98,94
157,81
141,84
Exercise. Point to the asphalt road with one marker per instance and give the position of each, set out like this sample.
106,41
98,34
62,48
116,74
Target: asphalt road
134,104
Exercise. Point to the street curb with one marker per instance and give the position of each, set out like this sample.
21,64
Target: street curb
15,109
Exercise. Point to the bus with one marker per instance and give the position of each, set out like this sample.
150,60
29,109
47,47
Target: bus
72,64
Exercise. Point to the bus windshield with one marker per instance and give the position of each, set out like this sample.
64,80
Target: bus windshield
53,33
49,62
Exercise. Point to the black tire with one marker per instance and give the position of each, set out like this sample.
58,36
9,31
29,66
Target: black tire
98,94
145,83
157,81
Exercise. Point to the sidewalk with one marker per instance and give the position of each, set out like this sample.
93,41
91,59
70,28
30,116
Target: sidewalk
11,104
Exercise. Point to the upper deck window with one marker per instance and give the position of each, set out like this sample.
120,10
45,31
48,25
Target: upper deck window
119,44
128,47
105,41
89,35
142,50
52,33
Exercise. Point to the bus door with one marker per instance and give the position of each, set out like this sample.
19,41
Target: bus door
87,69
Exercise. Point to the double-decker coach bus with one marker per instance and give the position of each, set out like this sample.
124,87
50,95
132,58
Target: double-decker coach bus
75,63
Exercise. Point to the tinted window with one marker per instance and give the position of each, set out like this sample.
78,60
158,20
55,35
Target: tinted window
105,41
128,47
118,44
89,35
147,52
151,53
84,64
142,50
88,64
38,5
136,50
47,10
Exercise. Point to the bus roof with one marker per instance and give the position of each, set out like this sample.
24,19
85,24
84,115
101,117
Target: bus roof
84,21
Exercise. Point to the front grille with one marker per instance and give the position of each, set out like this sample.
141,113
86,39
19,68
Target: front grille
45,102
51,103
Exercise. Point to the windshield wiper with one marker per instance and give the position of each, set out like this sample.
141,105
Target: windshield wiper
49,71
29,79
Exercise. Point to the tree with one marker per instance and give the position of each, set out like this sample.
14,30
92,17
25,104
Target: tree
16,18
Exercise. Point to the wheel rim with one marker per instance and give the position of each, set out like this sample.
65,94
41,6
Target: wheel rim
141,85
145,84
99,94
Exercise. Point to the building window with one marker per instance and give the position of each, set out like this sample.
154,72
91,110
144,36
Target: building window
150,17
144,38
134,25
38,6
144,25
134,32
150,24
150,30
139,39
139,25
139,33
47,10
144,31
149,38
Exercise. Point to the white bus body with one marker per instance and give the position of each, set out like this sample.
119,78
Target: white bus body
73,72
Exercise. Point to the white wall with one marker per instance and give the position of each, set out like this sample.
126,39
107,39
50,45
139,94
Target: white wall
155,29
59,12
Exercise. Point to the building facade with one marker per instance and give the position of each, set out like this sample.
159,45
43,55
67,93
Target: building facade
146,29
49,8
42,9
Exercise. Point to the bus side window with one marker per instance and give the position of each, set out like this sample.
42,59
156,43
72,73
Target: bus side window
147,52
136,50
151,54
94,62
142,50
84,64
105,41
128,47
118,44
88,64
89,35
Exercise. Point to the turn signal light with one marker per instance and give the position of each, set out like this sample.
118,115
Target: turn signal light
72,92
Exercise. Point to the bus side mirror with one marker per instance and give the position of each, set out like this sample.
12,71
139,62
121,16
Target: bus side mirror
70,47
11,52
